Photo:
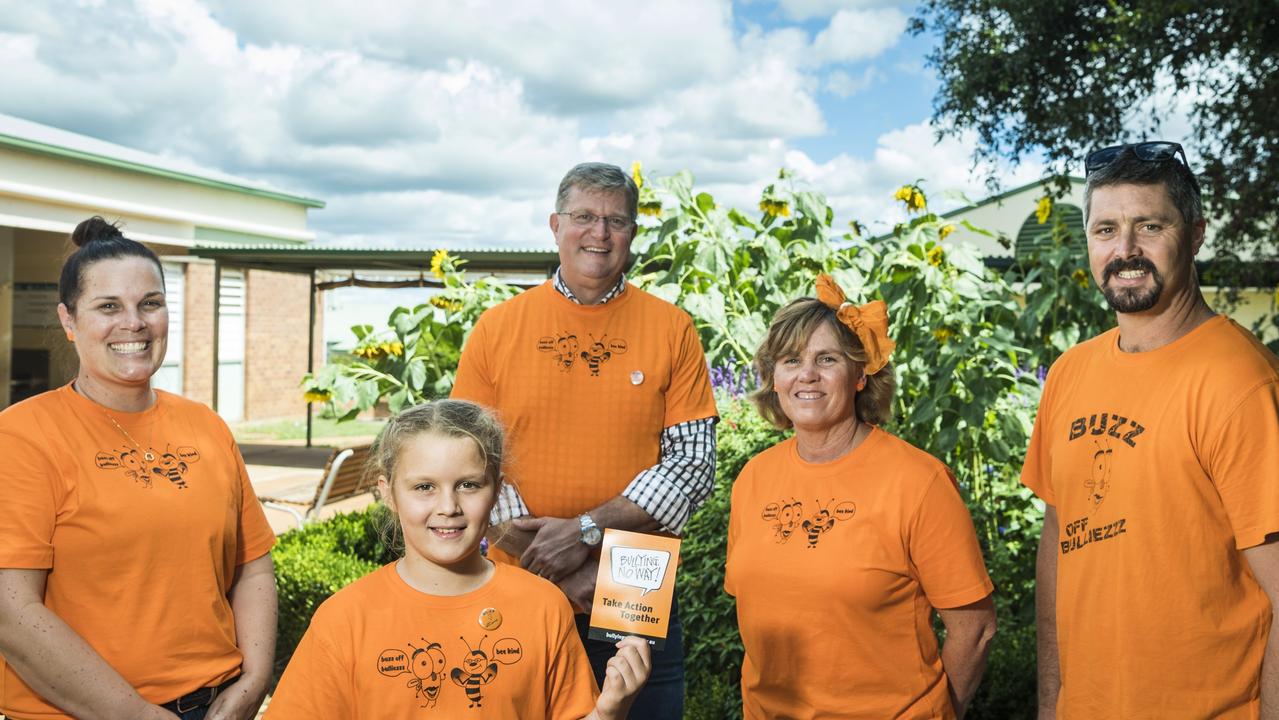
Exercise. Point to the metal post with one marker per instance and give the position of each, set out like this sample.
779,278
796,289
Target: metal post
310,352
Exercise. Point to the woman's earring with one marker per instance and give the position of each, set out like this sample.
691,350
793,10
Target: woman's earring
70,336
861,384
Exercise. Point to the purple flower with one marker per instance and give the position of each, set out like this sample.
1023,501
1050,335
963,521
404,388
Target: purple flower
732,379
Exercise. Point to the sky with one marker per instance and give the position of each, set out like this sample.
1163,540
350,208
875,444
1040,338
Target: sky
449,124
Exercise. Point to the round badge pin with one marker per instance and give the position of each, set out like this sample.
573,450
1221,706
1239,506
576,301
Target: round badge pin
637,377
490,619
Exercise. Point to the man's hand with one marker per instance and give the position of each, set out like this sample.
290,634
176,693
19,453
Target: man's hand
579,586
557,547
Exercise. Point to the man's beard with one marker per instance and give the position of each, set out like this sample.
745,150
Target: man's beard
1131,300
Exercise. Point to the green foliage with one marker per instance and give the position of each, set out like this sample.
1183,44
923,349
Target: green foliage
731,272
1119,61
712,646
1062,306
414,358
316,561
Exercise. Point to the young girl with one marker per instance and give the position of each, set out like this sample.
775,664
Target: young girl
443,632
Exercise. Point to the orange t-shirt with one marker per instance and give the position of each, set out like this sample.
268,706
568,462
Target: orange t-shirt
381,649
140,554
1162,466
584,390
836,568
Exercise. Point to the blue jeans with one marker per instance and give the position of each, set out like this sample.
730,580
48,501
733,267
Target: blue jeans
663,696
196,714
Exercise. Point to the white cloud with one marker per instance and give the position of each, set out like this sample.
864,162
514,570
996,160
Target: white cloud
433,219
809,9
859,34
845,85
423,132
573,55
862,189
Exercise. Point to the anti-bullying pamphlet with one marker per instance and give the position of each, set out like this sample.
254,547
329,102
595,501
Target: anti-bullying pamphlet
634,587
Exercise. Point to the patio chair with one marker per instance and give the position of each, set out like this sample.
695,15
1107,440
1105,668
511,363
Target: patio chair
343,478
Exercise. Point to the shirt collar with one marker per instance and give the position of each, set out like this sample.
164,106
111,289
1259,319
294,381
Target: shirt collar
562,288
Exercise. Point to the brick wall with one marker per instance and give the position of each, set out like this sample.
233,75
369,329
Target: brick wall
197,359
276,314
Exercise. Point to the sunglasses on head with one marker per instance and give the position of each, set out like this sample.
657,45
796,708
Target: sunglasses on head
1155,151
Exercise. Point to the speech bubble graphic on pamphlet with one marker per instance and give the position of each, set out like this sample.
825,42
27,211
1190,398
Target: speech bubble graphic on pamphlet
639,567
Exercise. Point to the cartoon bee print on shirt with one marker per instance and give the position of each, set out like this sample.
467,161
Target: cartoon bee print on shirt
427,666
1098,483
785,517
823,521
476,671
131,461
143,468
597,355
563,346
172,468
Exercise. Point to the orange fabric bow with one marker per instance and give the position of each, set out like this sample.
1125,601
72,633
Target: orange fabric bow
868,322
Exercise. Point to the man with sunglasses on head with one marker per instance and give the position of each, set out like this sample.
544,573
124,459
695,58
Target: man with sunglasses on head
1156,452
605,394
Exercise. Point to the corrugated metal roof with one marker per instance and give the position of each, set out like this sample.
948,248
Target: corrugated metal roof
308,258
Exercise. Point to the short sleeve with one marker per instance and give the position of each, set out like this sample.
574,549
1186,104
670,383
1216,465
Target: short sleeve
570,682
255,536
1244,465
29,486
734,529
473,380
944,550
689,396
317,682
1036,472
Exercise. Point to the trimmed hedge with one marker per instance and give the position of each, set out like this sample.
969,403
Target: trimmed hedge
316,561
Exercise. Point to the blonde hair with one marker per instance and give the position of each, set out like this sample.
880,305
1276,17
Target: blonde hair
789,332
450,418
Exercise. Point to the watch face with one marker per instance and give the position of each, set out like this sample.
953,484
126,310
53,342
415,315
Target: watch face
592,536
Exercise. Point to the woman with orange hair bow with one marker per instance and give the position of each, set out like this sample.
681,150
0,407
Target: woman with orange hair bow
843,539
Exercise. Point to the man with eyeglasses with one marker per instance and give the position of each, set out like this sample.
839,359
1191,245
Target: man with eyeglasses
605,394
1156,452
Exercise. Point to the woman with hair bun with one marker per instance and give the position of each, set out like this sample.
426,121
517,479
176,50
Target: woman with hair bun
843,539
135,574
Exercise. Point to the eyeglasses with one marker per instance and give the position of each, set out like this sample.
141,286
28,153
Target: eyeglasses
1155,151
581,218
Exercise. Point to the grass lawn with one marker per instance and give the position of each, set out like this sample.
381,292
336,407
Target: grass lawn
296,429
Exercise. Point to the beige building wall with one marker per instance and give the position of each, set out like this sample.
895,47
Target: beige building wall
1253,305
61,190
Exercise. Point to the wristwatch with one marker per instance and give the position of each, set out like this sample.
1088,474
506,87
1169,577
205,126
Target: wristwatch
591,535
